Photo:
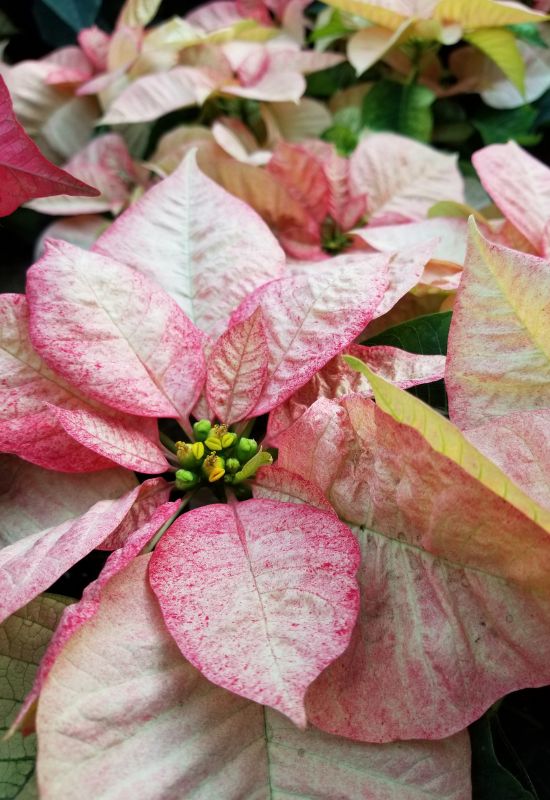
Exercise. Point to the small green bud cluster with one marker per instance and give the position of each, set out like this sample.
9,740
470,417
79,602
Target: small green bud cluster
217,453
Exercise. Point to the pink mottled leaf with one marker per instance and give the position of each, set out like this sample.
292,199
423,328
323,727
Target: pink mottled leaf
215,15
137,13
28,389
312,317
405,269
520,186
31,564
398,366
369,45
449,235
81,230
344,208
260,596
295,228
72,67
24,172
337,379
402,178
294,122
207,268
236,140
79,613
95,44
303,177
274,87
237,369
124,440
106,163
520,444
254,9
154,492
275,483
121,684
113,333
301,60
316,445
32,499
35,103
449,232
503,367
151,96
455,601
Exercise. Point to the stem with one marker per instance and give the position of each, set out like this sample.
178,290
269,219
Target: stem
149,547
167,442
230,495
186,426
244,428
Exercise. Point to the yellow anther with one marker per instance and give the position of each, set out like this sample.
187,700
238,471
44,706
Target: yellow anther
219,430
213,443
216,474
198,450
228,439
213,467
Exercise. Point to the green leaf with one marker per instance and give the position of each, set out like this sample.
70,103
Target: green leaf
342,138
261,459
426,335
490,780
77,14
52,29
325,82
498,127
344,132
405,109
350,117
23,638
7,28
543,110
450,208
528,32
500,46
451,123
335,28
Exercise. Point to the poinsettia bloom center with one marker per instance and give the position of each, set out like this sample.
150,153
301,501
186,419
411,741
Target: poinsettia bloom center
218,453
333,237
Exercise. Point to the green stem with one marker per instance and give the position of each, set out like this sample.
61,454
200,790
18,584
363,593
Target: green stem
167,442
161,531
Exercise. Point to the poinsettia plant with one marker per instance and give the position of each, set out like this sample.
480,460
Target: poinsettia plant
259,595
310,582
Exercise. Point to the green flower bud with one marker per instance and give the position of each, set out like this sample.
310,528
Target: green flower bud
201,429
245,449
189,455
185,479
232,465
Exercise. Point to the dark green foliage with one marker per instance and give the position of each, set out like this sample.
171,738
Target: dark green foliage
501,126
403,108
490,780
426,335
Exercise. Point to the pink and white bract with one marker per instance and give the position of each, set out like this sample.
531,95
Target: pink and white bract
312,581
